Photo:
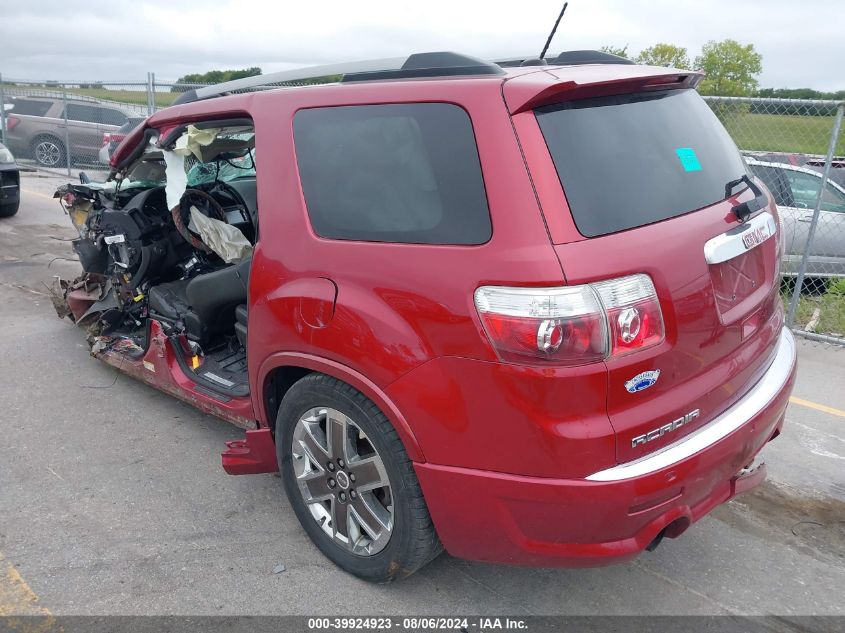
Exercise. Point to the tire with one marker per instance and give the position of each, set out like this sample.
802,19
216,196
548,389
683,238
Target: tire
48,151
304,448
8,210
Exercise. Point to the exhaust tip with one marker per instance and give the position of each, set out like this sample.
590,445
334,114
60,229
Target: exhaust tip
657,540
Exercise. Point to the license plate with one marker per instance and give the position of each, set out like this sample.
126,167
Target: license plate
756,237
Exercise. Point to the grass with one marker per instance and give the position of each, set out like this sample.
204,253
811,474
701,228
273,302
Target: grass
831,307
136,96
782,133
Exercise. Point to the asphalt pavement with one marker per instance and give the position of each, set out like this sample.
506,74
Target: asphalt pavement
113,501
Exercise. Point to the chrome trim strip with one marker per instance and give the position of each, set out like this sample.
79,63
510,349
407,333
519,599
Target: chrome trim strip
751,404
729,245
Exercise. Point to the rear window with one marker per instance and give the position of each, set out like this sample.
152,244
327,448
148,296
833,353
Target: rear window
30,107
629,160
392,173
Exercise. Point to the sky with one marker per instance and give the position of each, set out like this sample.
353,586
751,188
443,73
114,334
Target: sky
802,43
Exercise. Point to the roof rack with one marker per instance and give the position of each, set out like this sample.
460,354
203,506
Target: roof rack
439,64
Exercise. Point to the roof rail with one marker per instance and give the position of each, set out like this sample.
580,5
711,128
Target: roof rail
439,64
566,58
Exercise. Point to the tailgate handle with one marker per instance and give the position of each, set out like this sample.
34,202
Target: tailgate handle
806,218
732,244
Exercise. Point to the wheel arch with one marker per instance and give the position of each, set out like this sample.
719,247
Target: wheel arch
280,371
45,134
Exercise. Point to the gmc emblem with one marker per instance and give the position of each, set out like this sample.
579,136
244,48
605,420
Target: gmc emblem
666,428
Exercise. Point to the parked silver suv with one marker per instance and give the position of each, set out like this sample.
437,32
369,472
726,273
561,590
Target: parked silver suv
795,190
35,127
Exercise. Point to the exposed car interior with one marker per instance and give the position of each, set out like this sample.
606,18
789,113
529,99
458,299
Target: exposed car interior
171,239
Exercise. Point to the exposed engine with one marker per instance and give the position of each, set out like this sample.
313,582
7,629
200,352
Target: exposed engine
129,241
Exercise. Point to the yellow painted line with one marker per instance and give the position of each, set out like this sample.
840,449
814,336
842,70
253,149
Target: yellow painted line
19,606
37,193
818,407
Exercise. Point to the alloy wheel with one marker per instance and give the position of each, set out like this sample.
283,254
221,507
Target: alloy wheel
343,481
48,153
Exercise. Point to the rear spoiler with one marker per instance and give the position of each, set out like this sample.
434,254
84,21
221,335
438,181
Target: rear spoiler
527,92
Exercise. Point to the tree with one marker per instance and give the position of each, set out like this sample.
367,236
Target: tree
731,69
801,93
613,50
218,76
664,55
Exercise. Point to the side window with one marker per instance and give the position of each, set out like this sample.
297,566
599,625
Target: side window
94,114
405,173
833,199
773,178
77,112
805,189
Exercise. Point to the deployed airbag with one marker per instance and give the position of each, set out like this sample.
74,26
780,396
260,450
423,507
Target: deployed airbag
227,241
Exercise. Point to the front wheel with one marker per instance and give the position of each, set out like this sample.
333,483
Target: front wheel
9,209
350,481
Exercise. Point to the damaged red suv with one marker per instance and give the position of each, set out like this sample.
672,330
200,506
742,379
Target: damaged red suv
527,314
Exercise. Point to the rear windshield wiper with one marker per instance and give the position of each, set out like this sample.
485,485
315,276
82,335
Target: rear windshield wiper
743,210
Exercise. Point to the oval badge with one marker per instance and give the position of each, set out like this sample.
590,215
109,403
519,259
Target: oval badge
642,381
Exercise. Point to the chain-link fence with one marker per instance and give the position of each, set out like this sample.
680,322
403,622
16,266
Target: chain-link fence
793,146
65,126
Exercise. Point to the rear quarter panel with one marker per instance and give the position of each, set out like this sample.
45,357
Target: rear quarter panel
398,305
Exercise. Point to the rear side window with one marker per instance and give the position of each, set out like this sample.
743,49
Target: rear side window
392,173
131,124
30,107
95,114
112,117
629,160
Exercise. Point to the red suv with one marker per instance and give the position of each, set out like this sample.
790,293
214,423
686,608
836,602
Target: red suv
530,314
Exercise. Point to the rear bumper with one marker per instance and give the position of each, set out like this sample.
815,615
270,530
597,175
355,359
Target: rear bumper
614,514
10,184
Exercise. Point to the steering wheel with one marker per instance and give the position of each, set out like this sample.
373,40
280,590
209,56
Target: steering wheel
181,213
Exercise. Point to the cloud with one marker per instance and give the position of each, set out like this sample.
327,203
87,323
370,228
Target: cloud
51,39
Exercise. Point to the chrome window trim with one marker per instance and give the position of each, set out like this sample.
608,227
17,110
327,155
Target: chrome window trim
729,245
749,406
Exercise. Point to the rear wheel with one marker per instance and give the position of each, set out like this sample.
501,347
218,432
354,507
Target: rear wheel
350,482
48,151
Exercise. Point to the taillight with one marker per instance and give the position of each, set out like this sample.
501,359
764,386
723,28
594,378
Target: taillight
563,325
633,313
571,325
12,123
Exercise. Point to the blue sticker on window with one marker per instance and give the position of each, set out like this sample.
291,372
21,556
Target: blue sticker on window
689,161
